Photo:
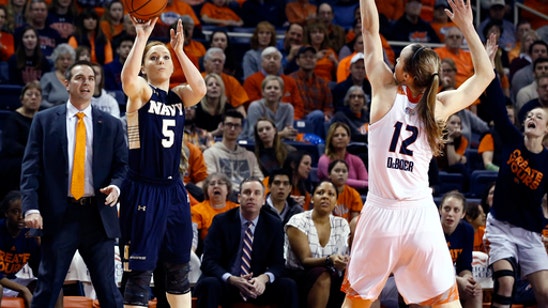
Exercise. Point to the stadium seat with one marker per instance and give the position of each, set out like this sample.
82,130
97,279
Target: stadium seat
450,181
77,302
479,180
474,160
10,96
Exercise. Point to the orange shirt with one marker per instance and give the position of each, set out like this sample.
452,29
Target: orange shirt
349,201
478,239
108,50
111,30
252,86
235,93
218,12
299,12
197,170
7,46
486,144
195,50
203,213
343,69
174,10
392,9
441,29
463,61
325,68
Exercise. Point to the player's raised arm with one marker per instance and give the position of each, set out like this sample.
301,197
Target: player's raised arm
473,87
134,86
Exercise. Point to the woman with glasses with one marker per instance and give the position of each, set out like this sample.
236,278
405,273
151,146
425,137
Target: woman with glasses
354,113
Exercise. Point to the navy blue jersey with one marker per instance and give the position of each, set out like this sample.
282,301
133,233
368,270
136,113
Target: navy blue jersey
461,243
16,252
155,134
520,183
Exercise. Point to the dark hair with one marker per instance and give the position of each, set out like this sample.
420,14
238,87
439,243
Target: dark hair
326,181
277,145
473,211
424,65
68,72
233,113
251,179
537,42
20,56
483,203
280,171
492,23
291,163
10,197
82,37
333,163
102,82
538,61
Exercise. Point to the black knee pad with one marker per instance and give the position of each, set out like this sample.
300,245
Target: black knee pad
497,298
137,288
177,278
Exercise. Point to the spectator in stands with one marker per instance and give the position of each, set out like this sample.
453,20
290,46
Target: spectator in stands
236,96
37,14
225,280
357,77
300,164
336,143
214,104
217,187
83,53
289,47
300,11
128,31
343,69
112,21
347,49
349,202
461,57
460,239
412,28
525,75
263,37
342,9
230,158
441,22
194,49
391,10
101,99
529,92
7,45
62,17
271,107
316,250
113,69
15,134
16,14
490,144
271,64
173,11
256,11
335,33
314,90
326,57
195,135
524,57
476,217
193,171
54,89
270,151
453,158
17,248
497,10
471,124
233,63
90,34
277,200
541,101
487,198
27,63
354,113
522,27
218,13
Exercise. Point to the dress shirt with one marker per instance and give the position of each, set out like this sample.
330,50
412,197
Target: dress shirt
71,121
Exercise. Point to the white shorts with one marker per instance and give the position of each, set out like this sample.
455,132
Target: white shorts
404,238
507,241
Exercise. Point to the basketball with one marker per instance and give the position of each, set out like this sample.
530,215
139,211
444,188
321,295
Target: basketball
144,10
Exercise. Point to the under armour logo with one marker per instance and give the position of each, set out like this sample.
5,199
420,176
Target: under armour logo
410,111
141,208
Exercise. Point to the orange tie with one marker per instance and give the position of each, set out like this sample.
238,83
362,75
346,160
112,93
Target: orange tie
78,166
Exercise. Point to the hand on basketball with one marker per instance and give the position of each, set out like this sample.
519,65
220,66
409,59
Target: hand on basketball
144,27
177,37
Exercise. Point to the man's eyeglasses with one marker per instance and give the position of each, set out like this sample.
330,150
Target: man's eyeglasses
220,183
232,125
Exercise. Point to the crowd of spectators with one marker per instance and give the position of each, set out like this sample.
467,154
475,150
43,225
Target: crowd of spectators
266,94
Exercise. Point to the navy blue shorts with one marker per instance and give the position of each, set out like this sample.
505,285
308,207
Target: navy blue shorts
155,221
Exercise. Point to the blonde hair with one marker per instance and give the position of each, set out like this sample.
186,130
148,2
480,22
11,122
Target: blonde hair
222,100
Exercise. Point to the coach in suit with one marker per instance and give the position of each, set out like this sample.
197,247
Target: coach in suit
224,279
69,182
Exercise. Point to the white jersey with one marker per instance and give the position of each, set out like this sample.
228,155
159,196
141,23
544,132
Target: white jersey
399,153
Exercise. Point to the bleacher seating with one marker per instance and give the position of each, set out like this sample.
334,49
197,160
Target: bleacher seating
479,180
13,302
449,182
473,159
10,96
